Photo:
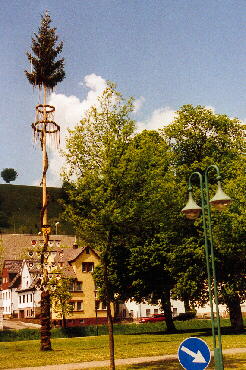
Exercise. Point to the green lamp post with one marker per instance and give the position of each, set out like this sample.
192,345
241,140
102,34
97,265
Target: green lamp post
192,211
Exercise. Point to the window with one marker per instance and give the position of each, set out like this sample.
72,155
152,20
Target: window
78,285
87,266
79,306
70,287
30,297
75,286
24,297
87,251
155,310
19,299
148,312
27,298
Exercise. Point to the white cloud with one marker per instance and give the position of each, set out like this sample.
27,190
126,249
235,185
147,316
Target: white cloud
69,111
210,108
138,103
159,118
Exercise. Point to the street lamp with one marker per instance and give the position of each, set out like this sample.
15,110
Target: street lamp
192,211
56,225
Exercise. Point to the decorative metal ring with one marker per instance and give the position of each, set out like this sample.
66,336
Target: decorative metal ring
35,126
48,108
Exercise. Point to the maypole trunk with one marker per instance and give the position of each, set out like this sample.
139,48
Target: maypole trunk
44,219
45,295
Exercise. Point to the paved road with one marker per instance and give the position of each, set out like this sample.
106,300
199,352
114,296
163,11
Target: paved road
125,361
15,324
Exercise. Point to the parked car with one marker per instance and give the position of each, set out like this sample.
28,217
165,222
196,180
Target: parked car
153,318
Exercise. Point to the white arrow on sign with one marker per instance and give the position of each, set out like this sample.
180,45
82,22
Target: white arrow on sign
198,357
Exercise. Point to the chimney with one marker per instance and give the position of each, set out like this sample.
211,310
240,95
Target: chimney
75,245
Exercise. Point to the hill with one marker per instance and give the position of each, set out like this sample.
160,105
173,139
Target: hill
20,207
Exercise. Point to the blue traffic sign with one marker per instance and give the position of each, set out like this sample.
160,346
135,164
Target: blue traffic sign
194,354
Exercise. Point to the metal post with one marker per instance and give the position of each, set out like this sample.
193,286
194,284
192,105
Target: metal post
218,357
207,227
206,253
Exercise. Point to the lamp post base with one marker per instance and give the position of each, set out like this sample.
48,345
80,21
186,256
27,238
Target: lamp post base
218,359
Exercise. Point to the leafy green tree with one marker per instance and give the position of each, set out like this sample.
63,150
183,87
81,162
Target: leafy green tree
94,149
9,174
229,234
61,296
198,137
149,213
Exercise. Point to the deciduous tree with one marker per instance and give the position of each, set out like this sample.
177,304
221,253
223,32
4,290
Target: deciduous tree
199,137
94,150
9,174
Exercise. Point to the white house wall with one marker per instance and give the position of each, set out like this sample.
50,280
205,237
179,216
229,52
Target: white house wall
137,310
7,300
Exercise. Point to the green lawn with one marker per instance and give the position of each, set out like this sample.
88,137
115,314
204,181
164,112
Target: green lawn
67,350
230,362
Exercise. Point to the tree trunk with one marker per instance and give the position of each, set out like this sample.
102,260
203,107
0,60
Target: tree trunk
187,305
109,318
166,306
45,322
111,336
64,321
236,318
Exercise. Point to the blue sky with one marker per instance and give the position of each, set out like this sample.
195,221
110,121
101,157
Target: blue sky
165,53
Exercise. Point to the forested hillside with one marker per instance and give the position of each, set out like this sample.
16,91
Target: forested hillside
20,207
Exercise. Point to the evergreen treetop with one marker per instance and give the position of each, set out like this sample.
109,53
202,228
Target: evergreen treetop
46,70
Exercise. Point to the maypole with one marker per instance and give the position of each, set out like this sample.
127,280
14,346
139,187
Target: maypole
46,73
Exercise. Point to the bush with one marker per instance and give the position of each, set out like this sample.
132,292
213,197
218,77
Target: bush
186,316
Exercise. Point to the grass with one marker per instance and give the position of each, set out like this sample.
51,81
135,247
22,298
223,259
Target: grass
27,353
230,362
83,331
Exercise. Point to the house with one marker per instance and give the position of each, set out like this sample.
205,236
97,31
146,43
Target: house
22,296
133,310
10,283
78,265
28,294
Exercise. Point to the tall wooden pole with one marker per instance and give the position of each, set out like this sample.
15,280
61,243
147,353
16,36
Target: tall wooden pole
45,164
45,317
